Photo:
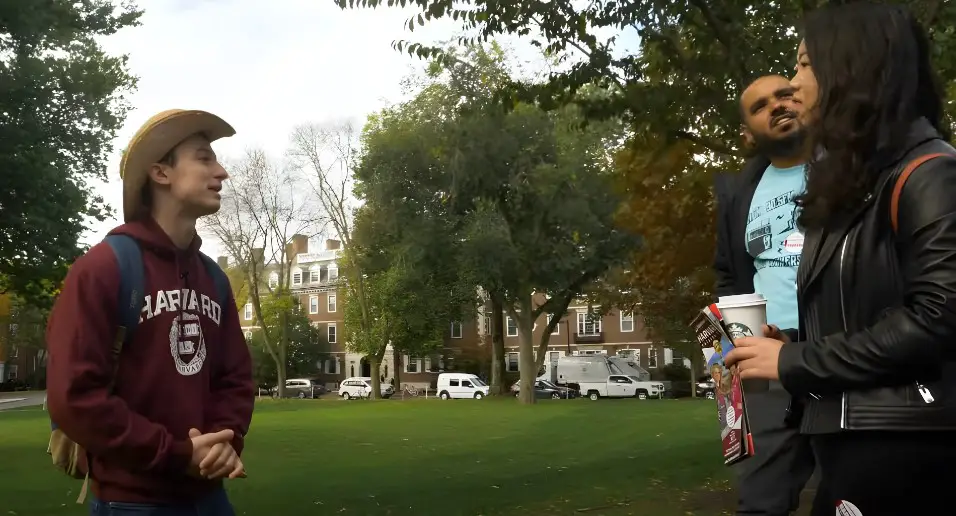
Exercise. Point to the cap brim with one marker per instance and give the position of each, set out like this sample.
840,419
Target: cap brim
154,141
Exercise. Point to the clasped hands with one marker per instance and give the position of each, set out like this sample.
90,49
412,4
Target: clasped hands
757,357
213,455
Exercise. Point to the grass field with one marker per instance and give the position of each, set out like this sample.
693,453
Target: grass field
424,457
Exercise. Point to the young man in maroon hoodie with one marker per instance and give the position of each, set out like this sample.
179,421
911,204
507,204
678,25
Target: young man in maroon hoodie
166,426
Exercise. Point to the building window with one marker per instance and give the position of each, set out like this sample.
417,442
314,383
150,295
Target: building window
274,280
247,311
557,327
676,357
651,357
313,304
332,303
332,335
314,276
297,277
333,272
589,323
412,365
627,322
332,366
248,335
456,330
512,363
486,322
512,327
12,372
14,351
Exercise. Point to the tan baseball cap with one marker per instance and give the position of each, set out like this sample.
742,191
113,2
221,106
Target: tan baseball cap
159,135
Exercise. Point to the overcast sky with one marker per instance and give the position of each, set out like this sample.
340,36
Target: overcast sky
265,67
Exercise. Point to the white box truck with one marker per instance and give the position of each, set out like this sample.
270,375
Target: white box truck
600,376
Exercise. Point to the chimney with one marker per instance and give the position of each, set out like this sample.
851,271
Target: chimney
332,244
298,245
223,262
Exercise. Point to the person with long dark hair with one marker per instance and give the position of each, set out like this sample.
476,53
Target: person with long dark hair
873,365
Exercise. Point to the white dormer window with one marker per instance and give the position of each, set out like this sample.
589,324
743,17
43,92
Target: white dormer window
314,276
333,272
274,280
297,277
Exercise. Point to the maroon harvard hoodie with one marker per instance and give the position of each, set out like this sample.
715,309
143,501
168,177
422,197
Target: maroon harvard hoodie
168,381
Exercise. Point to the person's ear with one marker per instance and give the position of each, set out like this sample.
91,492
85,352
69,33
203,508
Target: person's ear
747,136
159,173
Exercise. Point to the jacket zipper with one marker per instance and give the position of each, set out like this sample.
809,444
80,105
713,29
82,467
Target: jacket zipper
923,390
843,315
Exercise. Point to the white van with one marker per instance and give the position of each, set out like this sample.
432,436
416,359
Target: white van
461,386
361,387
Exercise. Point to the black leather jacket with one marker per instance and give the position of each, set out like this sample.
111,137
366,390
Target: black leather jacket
877,345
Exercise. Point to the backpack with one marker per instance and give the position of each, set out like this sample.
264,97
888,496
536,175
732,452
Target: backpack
68,456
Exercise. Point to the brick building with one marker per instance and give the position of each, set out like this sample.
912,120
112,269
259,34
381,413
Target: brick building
316,281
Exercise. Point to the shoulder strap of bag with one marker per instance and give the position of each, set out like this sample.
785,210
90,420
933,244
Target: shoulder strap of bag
219,278
901,181
129,302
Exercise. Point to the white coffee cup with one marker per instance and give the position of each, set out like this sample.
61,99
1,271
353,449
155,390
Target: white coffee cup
744,316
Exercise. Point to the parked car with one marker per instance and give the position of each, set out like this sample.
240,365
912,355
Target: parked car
461,386
361,387
301,388
547,389
705,387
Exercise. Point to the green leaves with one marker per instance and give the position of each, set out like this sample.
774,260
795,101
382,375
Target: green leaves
61,103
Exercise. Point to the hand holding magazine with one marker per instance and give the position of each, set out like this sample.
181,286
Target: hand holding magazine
715,343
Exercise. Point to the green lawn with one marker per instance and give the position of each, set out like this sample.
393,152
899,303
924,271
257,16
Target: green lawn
423,457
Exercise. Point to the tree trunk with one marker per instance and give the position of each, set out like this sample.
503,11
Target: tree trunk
695,359
375,365
282,347
280,360
397,365
375,370
498,386
527,365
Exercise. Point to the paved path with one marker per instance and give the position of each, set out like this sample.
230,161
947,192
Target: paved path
22,399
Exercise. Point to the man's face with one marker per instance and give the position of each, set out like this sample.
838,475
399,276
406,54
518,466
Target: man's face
194,178
771,117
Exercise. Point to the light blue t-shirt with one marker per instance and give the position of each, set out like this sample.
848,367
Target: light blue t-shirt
773,241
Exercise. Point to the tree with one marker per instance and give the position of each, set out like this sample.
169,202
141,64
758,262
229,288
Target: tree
404,240
306,343
669,202
62,102
262,208
536,195
327,155
678,89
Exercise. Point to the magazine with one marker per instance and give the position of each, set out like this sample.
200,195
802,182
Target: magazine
714,343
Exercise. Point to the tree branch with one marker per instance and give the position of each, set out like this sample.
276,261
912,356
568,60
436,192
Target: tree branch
708,143
723,38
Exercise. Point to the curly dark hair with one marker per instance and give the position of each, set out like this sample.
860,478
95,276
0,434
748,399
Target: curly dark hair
875,77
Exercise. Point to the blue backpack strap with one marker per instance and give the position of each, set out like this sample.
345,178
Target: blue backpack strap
129,302
219,278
